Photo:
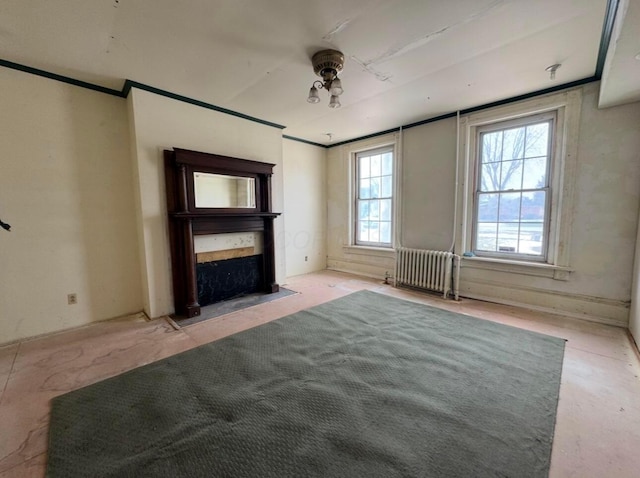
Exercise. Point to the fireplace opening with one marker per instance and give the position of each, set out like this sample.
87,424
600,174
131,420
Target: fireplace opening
228,279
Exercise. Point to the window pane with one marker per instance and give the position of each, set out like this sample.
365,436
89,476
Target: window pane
374,210
537,140
375,165
387,186
511,175
387,163
508,237
363,231
513,146
385,232
488,208
365,188
374,231
365,170
486,236
492,147
490,179
531,235
375,188
535,173
509,209
533,206
363,210
385,209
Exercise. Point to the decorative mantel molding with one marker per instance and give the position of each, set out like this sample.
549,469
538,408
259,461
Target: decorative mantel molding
186,220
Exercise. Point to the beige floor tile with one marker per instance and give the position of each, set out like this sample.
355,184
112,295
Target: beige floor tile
598,421
63,365
24,429
7,358
32,468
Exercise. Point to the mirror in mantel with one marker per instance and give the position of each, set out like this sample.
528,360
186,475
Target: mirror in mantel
222,191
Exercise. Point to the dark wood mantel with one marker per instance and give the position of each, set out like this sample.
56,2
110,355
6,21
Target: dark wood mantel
187,221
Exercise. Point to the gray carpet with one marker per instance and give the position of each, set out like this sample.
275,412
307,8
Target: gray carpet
363,386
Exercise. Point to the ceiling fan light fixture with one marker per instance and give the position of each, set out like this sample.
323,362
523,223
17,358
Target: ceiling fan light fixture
327,64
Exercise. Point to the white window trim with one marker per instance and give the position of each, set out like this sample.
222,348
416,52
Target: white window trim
548,223
367,249
567,106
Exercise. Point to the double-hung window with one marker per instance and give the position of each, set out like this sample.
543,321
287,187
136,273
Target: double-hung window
374,197
512,206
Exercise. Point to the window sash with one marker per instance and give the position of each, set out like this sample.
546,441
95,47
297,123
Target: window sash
379,198
507,225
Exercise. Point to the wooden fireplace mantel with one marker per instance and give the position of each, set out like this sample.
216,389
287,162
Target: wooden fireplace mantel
186,220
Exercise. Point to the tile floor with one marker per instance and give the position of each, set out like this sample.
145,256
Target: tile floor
598,422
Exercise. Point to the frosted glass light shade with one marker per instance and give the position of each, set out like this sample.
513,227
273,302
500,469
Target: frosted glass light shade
336,87
334,102
313,95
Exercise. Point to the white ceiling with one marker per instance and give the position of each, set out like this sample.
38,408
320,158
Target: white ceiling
406,60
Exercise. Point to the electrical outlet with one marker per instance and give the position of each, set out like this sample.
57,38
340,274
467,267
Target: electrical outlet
306,258
72,299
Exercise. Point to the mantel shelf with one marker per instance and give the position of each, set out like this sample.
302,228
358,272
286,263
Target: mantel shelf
212,215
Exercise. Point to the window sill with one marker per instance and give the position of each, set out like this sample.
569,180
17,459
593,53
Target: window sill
538,269
370,250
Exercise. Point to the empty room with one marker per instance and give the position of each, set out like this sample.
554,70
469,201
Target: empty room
351,238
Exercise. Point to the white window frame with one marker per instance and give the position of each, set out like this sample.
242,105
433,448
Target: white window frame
356,199
566,106
551,118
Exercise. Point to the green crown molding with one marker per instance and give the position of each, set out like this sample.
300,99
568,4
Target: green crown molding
128,84
64,79
306,141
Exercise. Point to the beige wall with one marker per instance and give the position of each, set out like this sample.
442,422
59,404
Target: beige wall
66,190
428,184
159,123
305,183
603,223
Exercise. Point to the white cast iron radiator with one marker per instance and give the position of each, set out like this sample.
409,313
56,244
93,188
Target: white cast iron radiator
432,270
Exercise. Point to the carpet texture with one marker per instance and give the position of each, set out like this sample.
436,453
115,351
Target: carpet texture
363,386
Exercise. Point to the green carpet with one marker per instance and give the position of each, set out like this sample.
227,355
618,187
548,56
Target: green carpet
363,386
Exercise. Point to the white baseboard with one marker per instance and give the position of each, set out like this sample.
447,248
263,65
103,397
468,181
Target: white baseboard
363,268
593,309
